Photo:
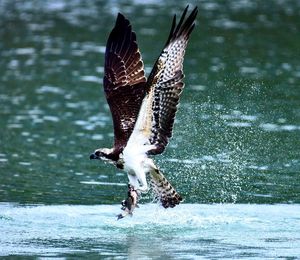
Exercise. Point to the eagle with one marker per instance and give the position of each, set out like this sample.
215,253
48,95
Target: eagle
143,110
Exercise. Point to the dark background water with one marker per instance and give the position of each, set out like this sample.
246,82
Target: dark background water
236,137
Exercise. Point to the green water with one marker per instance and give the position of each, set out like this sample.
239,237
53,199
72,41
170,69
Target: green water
237,133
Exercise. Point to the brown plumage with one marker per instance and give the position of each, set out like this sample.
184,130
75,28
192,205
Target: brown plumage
124,80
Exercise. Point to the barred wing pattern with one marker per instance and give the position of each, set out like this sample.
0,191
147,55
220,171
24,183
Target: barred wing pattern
124,80
166,82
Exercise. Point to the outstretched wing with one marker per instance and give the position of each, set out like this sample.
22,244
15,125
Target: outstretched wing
166,83
124,79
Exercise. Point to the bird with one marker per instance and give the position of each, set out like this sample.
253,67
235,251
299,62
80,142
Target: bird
143,110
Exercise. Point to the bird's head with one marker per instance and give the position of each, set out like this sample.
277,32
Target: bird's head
101,154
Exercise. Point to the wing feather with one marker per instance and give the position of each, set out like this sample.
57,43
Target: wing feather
124,80
166,82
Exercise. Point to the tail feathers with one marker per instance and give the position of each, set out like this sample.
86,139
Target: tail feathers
163,190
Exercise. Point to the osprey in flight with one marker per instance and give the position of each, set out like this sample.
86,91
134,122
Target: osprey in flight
143,110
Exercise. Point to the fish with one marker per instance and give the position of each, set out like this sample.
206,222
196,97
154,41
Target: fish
130,203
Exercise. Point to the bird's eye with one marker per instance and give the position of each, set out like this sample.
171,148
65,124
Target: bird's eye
97,153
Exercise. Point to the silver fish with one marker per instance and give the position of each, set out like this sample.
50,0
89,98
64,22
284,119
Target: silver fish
130,203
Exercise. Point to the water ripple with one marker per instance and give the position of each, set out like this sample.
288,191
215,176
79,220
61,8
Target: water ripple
271,230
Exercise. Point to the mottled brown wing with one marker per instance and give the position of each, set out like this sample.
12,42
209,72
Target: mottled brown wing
167,80
124,79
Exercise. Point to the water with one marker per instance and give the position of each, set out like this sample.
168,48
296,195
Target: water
236,139
190,231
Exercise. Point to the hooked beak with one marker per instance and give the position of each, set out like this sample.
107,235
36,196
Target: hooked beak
94,156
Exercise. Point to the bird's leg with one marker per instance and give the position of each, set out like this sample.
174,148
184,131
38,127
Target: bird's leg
143,186
138,182
133,181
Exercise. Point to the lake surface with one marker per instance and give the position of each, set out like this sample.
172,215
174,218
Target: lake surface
190,231
234,155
